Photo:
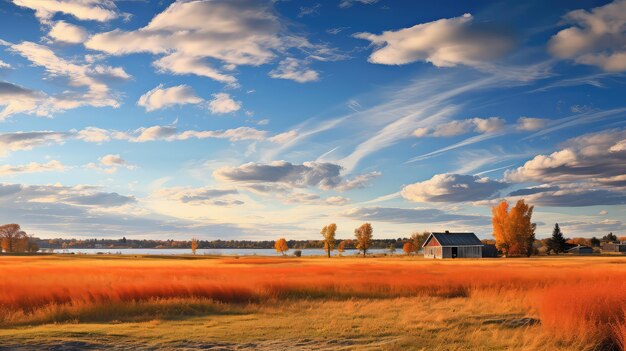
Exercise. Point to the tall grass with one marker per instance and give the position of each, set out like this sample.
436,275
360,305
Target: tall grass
581,302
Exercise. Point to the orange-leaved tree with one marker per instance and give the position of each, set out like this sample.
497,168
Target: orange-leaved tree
328,232
513,229
341,248
281,246
417,239
363,235
194,245
12,238
408,247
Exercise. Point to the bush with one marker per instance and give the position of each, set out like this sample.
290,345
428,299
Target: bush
297,253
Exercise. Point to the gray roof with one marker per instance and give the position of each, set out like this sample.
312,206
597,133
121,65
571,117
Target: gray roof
456,239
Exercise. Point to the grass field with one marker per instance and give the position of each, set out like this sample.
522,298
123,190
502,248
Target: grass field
389,303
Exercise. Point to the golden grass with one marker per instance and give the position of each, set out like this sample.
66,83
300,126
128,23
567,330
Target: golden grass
394,301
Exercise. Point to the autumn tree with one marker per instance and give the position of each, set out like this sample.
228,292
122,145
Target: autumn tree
417,239
408,247
391,249
328,232
363,235
557,242
341,248
281,246
11,235
194,245
513,230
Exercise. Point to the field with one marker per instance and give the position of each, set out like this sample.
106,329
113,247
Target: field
255,303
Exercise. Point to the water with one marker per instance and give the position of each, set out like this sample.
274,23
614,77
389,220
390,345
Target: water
219,252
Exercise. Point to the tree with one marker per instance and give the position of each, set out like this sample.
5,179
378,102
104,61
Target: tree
513,230
11,235
408,247
595,242
363,235
609,237
328,232
341,248
557,242
194,245
281,246
417,239
392,249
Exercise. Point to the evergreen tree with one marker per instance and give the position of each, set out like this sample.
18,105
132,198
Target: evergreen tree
557,242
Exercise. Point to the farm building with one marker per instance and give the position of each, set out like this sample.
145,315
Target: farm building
614,247
452,245
580,250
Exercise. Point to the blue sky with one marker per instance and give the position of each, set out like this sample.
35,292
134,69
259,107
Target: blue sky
251,119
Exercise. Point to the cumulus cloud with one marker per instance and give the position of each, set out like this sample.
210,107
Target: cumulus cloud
578,195
191,35
94,10
92,78
160,97
412,215
200,196
323,175
444,43
4,65
452,188
32,167
596,157
113,162
348,3
595,38
222,103
17,141
529,124
463,126
294,69
68,33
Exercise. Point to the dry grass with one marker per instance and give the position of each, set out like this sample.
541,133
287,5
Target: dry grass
581,302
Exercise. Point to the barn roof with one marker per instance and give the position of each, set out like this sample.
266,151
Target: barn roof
455,239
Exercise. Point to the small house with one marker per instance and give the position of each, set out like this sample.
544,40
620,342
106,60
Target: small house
580,250
614,247
452,245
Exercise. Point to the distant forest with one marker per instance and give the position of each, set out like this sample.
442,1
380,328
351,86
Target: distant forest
125,243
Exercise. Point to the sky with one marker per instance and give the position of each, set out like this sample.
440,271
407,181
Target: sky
245,119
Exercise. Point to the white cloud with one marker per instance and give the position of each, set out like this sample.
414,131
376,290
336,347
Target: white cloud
444,43
160,97
200,196
531,124
596,157
348,3
68,33
296,70
463,126
358,182
452,188
94,10
596,38
412,215
94,135
337,200
420,132
4,65
284,137
223,103
190,35
17,141
89,76
32,167
115,162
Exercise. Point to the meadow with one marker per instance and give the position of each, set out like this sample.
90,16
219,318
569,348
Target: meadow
389,303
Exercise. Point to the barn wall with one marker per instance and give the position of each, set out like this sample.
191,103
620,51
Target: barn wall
432,252
447,252
470,251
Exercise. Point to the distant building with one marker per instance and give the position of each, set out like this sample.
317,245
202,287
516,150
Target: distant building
580,250
490,250
452,245
614,247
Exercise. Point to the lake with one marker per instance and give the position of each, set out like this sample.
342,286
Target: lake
219,252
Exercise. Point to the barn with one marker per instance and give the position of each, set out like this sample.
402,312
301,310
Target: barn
452,245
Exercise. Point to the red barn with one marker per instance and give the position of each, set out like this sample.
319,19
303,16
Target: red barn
452,245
